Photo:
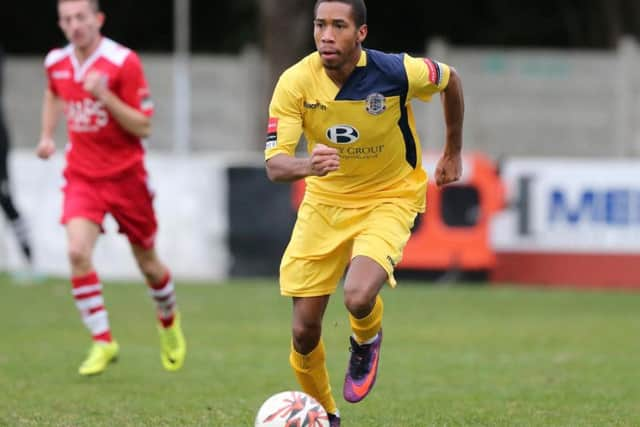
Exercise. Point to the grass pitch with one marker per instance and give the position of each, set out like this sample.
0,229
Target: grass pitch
452,356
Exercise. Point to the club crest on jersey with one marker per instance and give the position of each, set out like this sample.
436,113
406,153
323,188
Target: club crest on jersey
375,104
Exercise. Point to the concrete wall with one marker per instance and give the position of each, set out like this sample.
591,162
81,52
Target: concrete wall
226,100
548,102
519,102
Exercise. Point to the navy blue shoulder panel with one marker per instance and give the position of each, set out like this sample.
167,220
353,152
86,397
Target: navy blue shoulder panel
384,74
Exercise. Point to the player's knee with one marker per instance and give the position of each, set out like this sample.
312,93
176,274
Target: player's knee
5,201
5,194
359,301
306,336
78,255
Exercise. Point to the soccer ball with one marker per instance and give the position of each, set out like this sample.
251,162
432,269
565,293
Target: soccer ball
291,409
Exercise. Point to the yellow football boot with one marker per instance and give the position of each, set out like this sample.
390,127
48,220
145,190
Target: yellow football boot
99,357
173,347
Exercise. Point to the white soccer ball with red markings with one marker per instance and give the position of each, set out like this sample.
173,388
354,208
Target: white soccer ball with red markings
291,409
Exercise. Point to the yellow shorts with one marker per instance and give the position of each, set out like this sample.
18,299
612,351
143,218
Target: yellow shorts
326,238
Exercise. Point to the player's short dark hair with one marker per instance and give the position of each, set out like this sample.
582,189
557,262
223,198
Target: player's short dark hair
95,4
358,9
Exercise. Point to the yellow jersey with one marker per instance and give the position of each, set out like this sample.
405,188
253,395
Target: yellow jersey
369,120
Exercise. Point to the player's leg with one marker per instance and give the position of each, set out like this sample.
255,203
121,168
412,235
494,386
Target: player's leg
82,235
159,281
376,251
311,268
162,291
307,356
362,285
131,205
17,223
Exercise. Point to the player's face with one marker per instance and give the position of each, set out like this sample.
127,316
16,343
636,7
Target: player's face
337,38
79,22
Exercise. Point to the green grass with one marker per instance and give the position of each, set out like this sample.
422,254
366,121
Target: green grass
453,356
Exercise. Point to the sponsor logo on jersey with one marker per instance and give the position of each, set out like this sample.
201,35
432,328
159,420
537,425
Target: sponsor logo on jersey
61,74
272,133
343,134
360,153
375,104
87,115
146,103
435,71
314,106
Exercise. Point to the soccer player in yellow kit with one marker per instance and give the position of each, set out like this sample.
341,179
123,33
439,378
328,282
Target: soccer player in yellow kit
364,183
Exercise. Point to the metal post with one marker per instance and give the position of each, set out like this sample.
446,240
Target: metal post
524,205
623,119
181,77
434,136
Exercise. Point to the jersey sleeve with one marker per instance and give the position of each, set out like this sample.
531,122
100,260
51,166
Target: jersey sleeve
426,77
285,119
50,85
48,70
133,89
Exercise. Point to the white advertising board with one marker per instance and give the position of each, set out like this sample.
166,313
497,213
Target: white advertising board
190,202
570,205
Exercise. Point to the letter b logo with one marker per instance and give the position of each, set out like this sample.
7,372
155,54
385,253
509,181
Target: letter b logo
342,134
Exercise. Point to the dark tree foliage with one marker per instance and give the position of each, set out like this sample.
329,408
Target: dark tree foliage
223,26
228,26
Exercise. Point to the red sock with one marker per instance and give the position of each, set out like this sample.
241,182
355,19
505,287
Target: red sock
87,291
163,293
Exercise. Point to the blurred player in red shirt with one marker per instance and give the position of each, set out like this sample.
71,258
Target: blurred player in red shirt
101,87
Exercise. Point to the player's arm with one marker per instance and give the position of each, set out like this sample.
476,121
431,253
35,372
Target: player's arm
131,119
449,167
426,78
51,111
286,168
283,134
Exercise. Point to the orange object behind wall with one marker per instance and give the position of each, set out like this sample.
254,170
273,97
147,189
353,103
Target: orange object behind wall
434,245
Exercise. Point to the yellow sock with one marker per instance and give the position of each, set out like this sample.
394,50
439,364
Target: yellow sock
366,328
311,372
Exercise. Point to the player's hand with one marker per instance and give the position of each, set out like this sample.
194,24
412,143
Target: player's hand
46,148
448,169
324,160
95,83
